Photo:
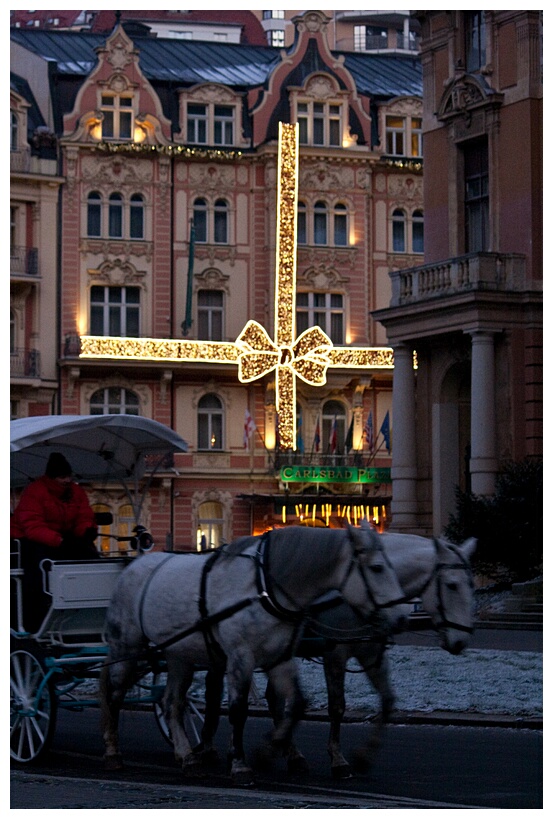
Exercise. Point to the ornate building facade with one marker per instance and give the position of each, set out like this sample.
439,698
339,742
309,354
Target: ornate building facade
169,230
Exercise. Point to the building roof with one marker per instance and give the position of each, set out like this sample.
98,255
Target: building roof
34,117
194,61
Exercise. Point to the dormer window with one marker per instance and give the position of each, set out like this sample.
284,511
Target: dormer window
117,120
210,124
403,135
320,123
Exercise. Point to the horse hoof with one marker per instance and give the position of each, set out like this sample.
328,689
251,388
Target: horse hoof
362,761
210,757
113,762
341,772
242,775
298,765
192,765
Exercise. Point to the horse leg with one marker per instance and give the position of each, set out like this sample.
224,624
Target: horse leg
374,662
115,680
239,677
334,663
295,760
213,695
179,679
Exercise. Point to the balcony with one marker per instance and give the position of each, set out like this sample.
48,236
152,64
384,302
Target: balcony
20,161
499,272
23,261
24,363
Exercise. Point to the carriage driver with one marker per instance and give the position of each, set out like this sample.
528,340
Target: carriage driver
53,519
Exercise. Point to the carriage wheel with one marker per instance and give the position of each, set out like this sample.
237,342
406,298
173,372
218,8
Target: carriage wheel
193,719
33,706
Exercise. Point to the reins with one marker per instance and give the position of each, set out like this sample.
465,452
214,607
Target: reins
445,622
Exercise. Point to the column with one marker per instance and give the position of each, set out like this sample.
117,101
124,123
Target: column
404,467
483,461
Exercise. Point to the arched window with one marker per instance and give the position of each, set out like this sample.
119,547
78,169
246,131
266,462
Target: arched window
136,221
302,223
115,216
340,225
320,223
334,425
209,534
418,231
210,423
398,231
200,220
114,401
220,222
94,214
104,542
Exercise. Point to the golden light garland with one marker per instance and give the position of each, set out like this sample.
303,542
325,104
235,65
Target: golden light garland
307,357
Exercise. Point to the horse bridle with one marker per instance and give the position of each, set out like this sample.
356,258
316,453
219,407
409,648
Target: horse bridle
437,569
266,584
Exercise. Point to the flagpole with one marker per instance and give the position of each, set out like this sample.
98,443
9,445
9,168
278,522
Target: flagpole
187,323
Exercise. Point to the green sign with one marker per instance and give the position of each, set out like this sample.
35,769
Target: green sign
334,474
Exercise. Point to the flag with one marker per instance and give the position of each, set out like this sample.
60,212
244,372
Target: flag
299,435
333,441
369,432
317,438
187,323
249,427
385,430
348,444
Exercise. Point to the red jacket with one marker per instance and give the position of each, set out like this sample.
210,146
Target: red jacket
42,515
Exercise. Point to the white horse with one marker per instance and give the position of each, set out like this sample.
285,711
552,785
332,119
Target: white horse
433,570
238,609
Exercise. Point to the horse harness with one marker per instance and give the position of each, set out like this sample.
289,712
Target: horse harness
438,567
266,586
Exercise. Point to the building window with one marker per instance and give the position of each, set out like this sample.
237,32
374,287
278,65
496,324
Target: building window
333,428
197,123
418,232
210,124
403,136
115,311
475,38
200,220
210,423
223,125
340,225
320,123
13,333
210,315
94,214
137,216
211,225
320,224
325,310
209,534
476,197
14,132
398,231
220,222
117,122
114,401
276,38
302,224
115,216
273,14
369,38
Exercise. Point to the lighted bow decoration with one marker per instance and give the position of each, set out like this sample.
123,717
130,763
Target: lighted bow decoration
256,354
307,357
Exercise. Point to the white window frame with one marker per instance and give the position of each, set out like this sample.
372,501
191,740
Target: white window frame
410,131
123,307
408,220
118,110
210,315
110,406
220,130
214,213
210,414
310,113
307,215
320,311
105,205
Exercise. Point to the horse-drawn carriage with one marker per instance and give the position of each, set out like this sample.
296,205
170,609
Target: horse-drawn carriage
59,665
239,609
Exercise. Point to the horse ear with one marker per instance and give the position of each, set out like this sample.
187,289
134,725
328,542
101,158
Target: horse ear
468,547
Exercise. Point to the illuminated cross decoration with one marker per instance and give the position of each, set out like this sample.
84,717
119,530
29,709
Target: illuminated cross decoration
256,354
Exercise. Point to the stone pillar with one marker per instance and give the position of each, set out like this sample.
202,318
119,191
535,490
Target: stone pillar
404,468
483,460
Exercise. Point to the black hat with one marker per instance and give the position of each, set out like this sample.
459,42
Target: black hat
58,466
